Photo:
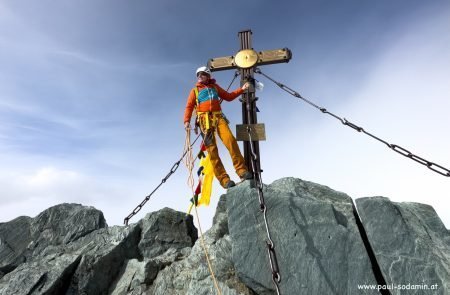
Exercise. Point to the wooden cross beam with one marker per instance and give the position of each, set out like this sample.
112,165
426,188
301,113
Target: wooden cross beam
246,60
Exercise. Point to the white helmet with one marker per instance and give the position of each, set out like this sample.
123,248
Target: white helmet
203,69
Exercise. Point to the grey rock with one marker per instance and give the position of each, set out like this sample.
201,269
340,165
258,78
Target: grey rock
137,275
64,238
62,224
104,253
317,242
191,275
24,238
154,265
106,268
48,275
166,236
166,229
68,249
410,242
130,279
14,239
220,220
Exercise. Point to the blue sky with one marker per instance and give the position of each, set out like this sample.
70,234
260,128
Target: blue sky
92,95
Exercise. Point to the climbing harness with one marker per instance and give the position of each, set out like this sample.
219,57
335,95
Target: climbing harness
204,115
208,120
430,165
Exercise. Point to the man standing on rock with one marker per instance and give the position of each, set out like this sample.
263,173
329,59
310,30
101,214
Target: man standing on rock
205,98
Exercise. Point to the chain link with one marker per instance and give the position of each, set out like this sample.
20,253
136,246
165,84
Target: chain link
432,166
276,277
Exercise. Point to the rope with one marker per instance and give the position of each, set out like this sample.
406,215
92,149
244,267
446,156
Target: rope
190,165
188,160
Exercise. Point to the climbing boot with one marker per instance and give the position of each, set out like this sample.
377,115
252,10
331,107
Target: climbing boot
246,175
229,184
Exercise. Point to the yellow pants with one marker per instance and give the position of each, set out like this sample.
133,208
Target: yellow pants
217,124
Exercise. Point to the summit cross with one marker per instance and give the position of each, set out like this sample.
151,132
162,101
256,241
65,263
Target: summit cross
246,60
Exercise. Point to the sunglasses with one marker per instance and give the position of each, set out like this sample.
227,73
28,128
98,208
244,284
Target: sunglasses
202,74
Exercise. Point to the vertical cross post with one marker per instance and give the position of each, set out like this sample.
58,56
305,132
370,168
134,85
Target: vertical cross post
249,102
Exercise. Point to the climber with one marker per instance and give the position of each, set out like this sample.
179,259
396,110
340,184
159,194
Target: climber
204,97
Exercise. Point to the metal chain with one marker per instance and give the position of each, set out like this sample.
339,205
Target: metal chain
402,151
231,83
276,277
236,74
172,171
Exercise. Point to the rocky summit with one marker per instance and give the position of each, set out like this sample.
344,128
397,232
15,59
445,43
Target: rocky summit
324,243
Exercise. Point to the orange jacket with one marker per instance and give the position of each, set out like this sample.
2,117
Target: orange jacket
208,102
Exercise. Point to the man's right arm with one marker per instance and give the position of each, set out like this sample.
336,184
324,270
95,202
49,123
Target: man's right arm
190,105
